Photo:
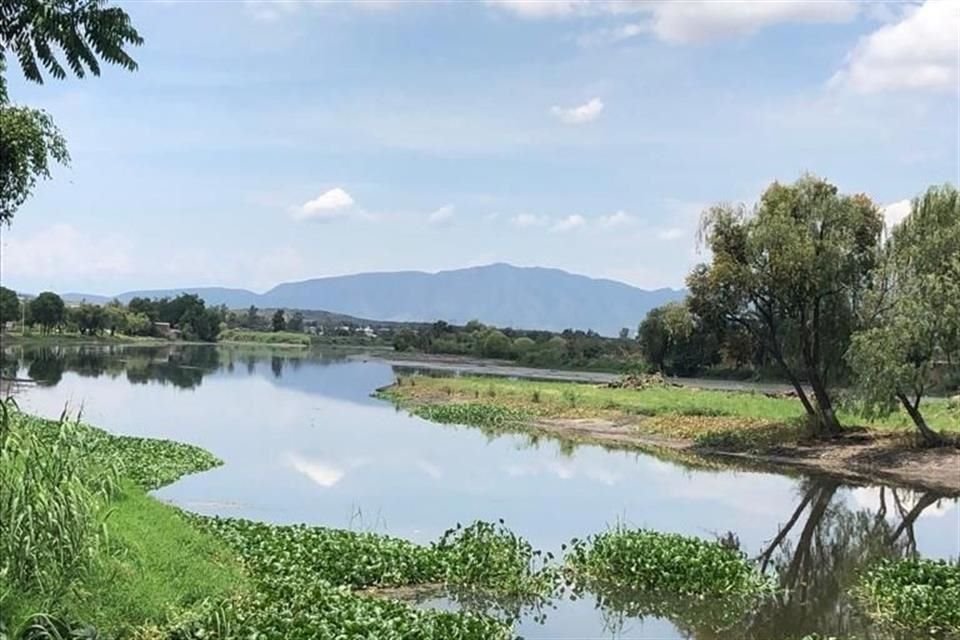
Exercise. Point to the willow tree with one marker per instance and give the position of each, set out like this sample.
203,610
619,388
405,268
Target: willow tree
916,337
50,36
792,271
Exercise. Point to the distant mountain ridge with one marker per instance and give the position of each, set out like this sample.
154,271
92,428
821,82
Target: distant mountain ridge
497,294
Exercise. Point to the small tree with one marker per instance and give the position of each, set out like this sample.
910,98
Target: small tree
917,332
9,306
47,310
279,321
89,319
296,322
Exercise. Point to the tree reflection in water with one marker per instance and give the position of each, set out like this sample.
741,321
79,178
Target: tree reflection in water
815,558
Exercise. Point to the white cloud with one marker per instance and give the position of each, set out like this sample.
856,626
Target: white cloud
541,8
270,10
671,233
705,21
895,212
61,250
569,223
327,206
443,214
690,21
618,219
526,220
587,112
920,52
613,35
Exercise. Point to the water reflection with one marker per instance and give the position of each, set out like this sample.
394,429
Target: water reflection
303,441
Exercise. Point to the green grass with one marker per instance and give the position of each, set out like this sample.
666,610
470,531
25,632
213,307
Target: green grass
265,337
679,411
158,568
144,564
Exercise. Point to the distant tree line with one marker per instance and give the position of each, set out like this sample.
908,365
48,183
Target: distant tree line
809,284
186,313
570,348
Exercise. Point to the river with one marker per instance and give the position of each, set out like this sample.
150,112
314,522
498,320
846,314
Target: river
304,441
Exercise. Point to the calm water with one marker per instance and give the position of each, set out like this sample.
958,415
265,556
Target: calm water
303,441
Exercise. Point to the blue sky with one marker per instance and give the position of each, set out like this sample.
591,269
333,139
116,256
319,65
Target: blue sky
261,142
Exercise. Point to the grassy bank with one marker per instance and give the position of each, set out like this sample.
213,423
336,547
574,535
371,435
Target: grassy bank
52,339
83,541
680,412
274,338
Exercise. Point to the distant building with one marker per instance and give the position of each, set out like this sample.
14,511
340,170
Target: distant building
163,329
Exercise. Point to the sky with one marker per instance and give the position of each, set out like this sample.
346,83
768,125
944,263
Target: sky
263,142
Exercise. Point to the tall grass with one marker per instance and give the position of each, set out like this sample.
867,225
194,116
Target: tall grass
53,499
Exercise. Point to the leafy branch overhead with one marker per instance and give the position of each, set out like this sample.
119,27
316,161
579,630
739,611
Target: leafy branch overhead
35,32
84,32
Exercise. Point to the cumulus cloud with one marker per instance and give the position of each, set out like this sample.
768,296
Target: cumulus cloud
895,212
671,233
569,223
692,21
62,249
526,220
587,112
541,8
918,52
320,473
327,206
618,219
706,21
443,214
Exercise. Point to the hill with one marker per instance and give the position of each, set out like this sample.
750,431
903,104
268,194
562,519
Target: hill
497,294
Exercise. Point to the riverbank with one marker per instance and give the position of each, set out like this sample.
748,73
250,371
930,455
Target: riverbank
740,427
58,339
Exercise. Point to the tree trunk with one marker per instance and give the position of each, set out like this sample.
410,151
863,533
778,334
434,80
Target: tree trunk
930,436
826,418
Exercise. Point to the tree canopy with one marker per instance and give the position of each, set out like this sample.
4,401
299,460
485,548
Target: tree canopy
9,305
915,338
792,272
47,310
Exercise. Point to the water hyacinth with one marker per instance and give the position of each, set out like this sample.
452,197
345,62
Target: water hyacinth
663,562
916,594
472,413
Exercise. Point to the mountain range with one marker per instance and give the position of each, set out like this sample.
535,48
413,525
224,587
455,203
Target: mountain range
497,294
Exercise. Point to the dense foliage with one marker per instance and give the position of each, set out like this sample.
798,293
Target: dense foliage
53,493
9,305
914,594
793,273
569,349
652,561
914,342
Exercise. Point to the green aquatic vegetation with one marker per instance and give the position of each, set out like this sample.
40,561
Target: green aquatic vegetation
646,560
149,462
918,595
307,579
488,556
340,557
472,413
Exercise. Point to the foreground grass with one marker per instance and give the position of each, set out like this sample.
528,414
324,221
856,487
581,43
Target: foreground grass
144,565
676,412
